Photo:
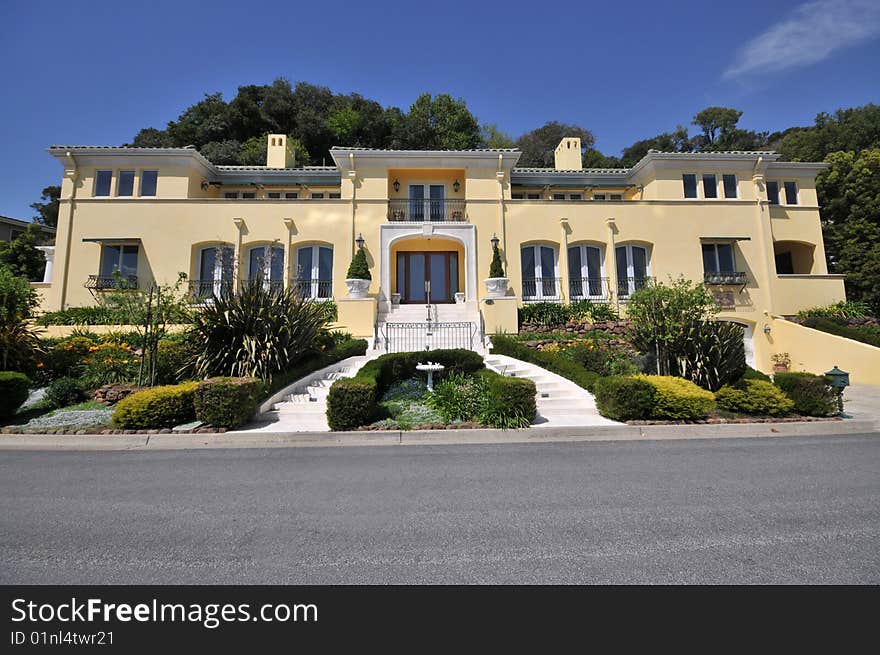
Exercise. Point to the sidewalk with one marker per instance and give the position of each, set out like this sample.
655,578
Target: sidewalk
434,437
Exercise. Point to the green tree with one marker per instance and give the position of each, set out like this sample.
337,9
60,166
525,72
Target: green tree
676,141
720,131
439,122
18,341
592,158
150,137
851,129
539,145
492,137
21,256
201,123
47,210
225,153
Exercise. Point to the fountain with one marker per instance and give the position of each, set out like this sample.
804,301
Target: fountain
430,368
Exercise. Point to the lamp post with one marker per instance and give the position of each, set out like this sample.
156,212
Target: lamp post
360,241
495,241
839,380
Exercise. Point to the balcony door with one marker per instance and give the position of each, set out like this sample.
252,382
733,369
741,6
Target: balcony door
633,269
424,276
427,202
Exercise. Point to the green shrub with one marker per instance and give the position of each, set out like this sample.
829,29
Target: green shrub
678,399
14,390
812,394
869,334
842,310
623,398
346,409
227,402
508,403
712,355
359,269
159,407
458,397
756,397
97,315
174,361
555,313
65,391
110,363
496,269
753,374
556,363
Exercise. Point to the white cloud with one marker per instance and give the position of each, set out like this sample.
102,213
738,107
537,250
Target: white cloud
814,31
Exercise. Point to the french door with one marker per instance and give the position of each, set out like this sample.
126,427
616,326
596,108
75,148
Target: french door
633,269
427,202
427,275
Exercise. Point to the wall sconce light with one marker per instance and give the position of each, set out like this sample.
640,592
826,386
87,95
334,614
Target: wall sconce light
766,328
396,185
456,186
495,241
360,241
205,185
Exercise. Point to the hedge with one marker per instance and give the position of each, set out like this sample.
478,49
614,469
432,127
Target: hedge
14,390
352,402
756,397
754,374
678,399
812,394
315,362
509,403
869,334
227,402
624,398
556,363
159,407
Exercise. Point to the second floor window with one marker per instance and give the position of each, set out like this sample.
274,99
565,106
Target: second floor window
126,183
791,193
103,180
121,259
689,180
773,192
729,185
710,186
148,182
718,258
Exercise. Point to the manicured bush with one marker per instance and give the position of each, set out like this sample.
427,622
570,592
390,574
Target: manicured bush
623,398
359,269
227,402
753,374
159,407
352,402
65,391
509,403
556,363
812,394
14,390
755,397
678,399
496,269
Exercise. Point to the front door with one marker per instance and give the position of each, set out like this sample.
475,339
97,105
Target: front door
424,276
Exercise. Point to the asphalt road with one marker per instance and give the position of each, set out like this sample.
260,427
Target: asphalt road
783,510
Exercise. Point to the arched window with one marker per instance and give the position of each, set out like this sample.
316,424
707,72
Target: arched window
633,269
586,272
266,263
540,277
314,271
215,274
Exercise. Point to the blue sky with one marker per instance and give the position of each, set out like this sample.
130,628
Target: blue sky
96,72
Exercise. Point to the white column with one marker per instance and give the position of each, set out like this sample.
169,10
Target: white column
49,255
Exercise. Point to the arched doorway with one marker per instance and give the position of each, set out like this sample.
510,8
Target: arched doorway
427,270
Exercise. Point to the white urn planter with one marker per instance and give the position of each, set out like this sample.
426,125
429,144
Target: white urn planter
496,287
357,288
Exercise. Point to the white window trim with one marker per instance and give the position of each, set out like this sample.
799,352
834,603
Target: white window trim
314,274
121,245
250,248
539,273
585,270
630,269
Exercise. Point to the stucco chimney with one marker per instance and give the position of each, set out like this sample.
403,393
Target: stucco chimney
568,154
279,154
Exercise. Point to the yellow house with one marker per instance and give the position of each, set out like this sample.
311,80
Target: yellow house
744,223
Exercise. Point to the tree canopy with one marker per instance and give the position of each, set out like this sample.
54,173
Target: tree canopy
47,209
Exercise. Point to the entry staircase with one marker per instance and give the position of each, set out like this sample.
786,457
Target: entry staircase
407,328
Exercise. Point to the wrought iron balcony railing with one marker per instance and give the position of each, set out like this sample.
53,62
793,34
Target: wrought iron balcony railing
588,288
205,289
732,278
541,288
111,282
313,287
626,286
274,286
417,211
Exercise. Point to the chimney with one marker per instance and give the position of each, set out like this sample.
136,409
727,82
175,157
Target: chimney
279,154
568,154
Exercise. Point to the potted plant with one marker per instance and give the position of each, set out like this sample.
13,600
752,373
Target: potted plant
496,283
781,362
358,278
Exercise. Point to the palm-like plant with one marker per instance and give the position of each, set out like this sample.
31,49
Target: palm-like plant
257,332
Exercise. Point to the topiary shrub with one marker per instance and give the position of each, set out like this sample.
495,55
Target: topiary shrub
496,269
678,399
227,402
509,403
756,397
623,398
812,394
65,391
14,390
358,269
159,407
351,403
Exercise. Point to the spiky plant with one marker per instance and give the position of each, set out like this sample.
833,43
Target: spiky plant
256,332
713,354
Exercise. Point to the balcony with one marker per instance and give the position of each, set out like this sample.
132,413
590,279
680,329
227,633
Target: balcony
588,288
313,288
111,282
541,288
201,290
420,211
725,278
626,286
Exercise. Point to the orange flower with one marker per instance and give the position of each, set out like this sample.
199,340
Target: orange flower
40,365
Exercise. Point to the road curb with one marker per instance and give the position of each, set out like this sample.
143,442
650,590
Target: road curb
431,437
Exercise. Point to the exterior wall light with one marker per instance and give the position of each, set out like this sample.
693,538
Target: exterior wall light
456,186
766,328
360,241
494,240
396,185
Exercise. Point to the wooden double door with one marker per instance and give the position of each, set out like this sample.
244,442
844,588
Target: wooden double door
427,277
